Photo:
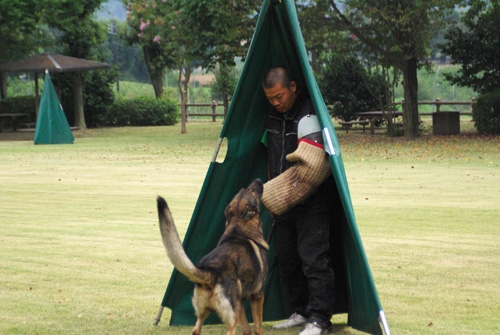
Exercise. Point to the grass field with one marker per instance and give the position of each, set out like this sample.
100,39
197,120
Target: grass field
80,250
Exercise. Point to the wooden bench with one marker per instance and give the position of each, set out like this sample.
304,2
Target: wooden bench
12,117
348,124
28,125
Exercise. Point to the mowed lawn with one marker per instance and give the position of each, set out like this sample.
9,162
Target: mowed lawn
80,249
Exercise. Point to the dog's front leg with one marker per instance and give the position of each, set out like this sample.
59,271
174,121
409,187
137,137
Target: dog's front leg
257,304
245,327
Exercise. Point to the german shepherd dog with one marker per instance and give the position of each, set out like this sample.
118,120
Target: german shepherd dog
234,271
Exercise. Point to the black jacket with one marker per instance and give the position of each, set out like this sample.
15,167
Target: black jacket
282,134
282,140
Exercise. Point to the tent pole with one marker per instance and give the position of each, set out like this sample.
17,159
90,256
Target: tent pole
330,149
383,321
216,151
158,316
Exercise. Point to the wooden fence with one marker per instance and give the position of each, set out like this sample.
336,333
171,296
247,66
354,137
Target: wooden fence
214,105
446,122
438,103
213,110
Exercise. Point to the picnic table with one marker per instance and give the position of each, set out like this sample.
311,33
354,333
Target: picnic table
13,117
373,116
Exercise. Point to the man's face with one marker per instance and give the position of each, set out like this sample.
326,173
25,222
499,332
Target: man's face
282,98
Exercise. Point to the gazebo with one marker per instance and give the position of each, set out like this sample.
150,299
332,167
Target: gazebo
54,63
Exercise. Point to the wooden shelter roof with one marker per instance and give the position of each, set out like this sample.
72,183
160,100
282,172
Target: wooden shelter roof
52,63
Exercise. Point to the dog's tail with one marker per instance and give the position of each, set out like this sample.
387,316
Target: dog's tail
174,248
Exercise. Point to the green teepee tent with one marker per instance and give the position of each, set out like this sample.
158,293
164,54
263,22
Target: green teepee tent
277,41
51,125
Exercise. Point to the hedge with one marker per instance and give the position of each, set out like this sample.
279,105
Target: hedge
486,113
141,111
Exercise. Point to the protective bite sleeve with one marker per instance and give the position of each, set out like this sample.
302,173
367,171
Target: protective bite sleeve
293,186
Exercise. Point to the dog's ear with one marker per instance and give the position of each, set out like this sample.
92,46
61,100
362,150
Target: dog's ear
250,212
257,188
228,213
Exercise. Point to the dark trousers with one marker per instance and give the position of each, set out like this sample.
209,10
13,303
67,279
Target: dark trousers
303,238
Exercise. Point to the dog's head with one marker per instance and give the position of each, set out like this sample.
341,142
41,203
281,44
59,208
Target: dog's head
246,204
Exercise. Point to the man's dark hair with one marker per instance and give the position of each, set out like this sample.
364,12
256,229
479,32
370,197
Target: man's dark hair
276,75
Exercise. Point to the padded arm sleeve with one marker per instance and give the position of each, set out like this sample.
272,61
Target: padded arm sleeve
296,184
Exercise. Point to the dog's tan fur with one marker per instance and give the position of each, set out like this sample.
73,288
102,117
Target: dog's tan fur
234,271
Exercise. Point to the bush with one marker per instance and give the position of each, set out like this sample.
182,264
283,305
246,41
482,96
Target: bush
350,88
97,93
141,111
19,104
486,113
21,85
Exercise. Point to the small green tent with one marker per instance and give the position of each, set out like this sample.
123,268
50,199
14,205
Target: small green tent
52,127
277,41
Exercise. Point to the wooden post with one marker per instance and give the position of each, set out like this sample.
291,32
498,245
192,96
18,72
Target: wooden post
37,97
213,106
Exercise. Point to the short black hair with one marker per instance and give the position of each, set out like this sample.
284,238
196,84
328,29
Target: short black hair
276,75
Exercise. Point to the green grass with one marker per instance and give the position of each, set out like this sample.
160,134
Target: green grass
81,252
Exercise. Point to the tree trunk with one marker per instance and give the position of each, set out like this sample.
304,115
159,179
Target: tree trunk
225,100
410,106
157,82
314,62
183,86
183,113
78,96
156,75
3,85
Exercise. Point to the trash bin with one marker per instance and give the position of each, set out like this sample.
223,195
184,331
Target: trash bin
446,123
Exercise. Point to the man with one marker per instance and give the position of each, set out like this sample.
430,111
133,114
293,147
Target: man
299,196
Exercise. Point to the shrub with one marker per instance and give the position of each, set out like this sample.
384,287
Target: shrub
141,111
97,93
19,104
350,88
486,113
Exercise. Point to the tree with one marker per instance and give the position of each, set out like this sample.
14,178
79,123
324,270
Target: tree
127,56
157,56
475,47
20,29
20,32
27,25
321,34
398,32
80,34
203,32
80,38
226,79
349,88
